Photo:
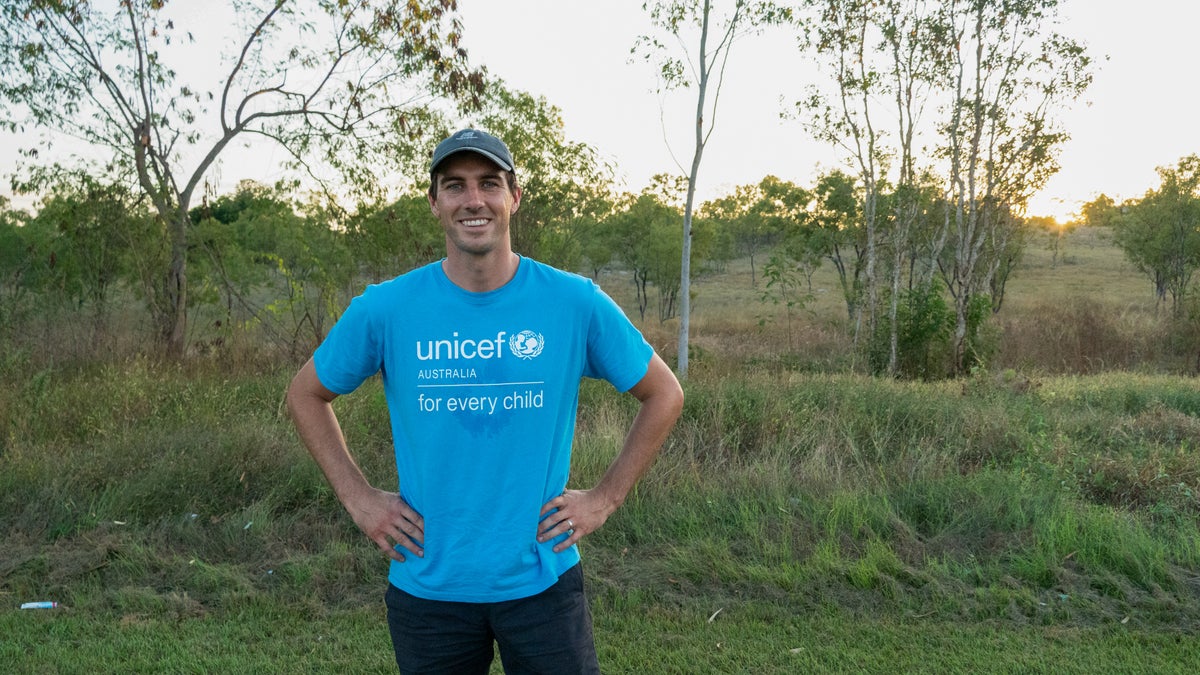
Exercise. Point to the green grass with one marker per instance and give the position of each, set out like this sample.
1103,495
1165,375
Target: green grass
827,522
745,637
801,518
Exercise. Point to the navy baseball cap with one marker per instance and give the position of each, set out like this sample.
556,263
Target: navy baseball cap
473,140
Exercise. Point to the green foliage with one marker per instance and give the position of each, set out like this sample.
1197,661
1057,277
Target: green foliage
386,241
834,231
352,97
1160,233
783,288
643,235
982,336
566,185
950,100
262,263
924,333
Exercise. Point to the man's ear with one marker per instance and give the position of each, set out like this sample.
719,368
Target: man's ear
432,203
516,201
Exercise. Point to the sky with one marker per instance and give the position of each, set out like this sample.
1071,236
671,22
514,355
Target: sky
1141,112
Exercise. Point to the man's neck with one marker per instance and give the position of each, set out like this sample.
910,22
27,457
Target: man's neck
480,274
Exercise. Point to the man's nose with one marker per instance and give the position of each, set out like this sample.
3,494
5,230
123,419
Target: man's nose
474,197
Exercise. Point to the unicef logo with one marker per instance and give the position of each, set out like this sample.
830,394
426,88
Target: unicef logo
526,344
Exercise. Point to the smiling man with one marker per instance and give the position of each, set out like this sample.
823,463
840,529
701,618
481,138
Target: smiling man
481,354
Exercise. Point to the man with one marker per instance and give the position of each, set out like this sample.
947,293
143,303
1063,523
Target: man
481,355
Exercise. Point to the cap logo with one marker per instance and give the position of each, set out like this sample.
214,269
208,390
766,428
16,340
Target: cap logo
473,140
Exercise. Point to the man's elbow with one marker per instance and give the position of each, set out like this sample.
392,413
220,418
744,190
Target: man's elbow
673,399
306,391
667,398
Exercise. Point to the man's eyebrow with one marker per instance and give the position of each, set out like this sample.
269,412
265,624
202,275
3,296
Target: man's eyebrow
447,177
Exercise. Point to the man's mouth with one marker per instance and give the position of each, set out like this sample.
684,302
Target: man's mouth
475,222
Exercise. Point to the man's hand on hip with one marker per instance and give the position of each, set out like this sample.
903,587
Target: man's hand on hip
388,521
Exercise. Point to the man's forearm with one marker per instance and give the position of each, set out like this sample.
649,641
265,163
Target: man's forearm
661,403
311,410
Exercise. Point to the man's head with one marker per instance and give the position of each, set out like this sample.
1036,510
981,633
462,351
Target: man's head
473,193
473,141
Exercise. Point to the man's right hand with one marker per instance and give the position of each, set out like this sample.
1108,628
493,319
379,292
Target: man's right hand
385,518
388,521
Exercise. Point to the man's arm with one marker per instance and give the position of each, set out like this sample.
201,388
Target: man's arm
383,516
584,511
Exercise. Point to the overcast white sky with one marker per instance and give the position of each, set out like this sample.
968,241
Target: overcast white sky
1142,111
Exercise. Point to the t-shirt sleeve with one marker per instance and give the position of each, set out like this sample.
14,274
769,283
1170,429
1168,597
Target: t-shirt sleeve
351,351
616,350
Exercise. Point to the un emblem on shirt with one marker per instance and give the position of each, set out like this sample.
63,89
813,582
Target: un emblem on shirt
526,344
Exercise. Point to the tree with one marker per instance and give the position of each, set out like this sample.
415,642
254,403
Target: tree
1100,212
702,69
639,234
1160,233
835,232
19,262
395,237
270,263
993,74
567,187
758,217
1009,76
97,229
643,240
338,85
734,214
841,34
1054,232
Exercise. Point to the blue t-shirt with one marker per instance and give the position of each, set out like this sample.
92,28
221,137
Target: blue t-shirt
482,390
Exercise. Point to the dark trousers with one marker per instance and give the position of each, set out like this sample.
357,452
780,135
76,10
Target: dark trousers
548,633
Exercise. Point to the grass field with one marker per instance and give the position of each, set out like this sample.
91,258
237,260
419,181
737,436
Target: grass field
802,517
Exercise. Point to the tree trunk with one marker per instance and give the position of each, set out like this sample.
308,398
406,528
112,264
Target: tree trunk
174,328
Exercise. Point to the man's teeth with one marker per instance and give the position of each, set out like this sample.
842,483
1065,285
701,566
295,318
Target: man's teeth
475,223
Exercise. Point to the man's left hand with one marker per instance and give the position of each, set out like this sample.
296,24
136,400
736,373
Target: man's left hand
576,513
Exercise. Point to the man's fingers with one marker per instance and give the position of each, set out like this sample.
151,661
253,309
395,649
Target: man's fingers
409,530
386,546
411,524
556,503
574,534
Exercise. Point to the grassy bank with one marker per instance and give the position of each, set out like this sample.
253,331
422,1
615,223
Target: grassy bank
794,522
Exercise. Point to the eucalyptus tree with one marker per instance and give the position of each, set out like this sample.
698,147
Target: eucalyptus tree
1160,233
95,228
962,90
841,35
1010,75
19,262
884,64
567,186
703,37
341,87
734,214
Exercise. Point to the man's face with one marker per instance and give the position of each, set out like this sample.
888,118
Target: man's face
474,204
